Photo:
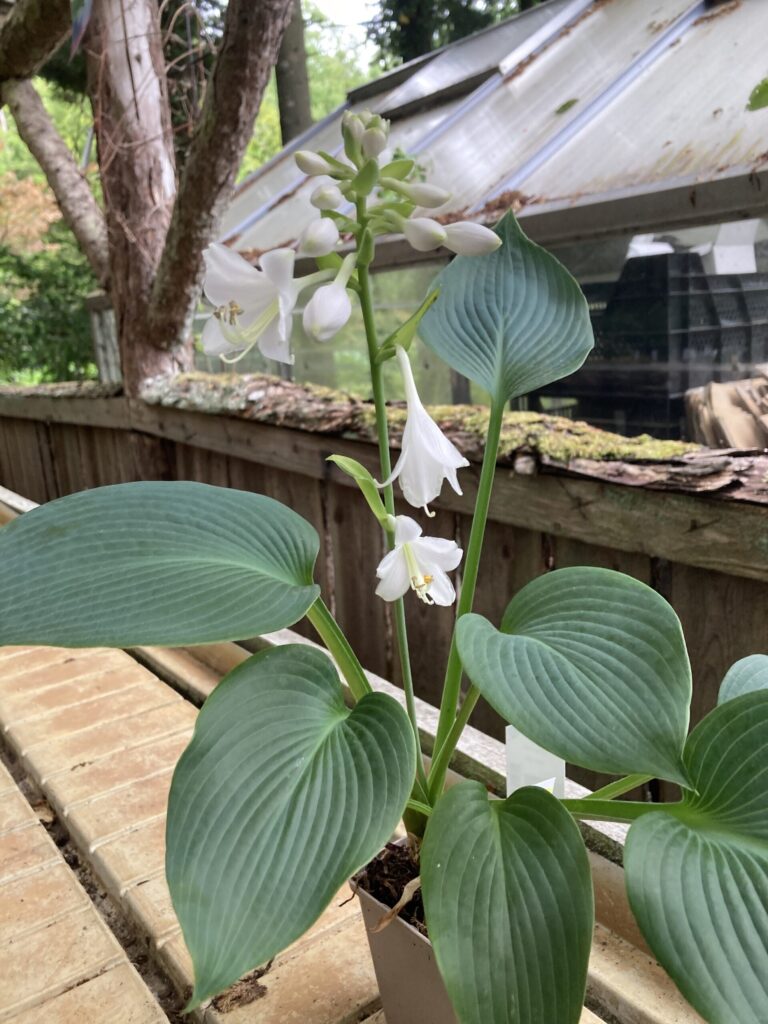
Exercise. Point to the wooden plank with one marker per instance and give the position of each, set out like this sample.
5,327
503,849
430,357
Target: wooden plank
95,412
708,532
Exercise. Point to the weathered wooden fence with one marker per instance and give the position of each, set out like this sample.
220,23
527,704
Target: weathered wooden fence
705,552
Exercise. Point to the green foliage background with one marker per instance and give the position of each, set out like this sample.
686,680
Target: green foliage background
44,328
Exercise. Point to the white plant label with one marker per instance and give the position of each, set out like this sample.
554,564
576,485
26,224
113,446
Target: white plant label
531,765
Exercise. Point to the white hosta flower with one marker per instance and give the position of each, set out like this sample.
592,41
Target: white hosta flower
330,307
427,456
253,306
311,163
327,311
319,238
420,563
423,233
327,197
470,239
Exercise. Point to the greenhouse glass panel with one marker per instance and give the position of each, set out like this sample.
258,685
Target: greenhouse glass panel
469,57
536,101
696,132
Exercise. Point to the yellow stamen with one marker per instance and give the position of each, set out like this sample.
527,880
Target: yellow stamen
419,581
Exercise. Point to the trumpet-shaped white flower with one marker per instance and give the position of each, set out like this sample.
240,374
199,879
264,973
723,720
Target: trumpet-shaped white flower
253,306
427,456
319,238
420,563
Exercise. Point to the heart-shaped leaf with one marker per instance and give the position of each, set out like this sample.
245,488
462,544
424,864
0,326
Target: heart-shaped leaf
697,872
509,906
746,676
513,320
591,665
154,563
282,794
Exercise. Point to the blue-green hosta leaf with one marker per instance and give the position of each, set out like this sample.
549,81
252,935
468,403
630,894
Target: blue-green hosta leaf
154,563
511,321
509,906
282,794
697,873
591,665
746,676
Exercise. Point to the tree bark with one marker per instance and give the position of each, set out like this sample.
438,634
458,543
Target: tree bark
249,47
127,85
73,193
292,81
30,34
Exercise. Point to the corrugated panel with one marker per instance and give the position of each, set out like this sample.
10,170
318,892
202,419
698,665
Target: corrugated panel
285,221
262,188
470,57
537,101
685,117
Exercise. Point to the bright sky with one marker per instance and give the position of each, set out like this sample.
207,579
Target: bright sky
351,16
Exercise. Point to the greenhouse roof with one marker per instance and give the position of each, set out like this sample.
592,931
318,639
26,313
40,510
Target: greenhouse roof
588,117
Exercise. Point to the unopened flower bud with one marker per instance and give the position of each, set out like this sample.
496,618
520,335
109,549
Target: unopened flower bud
326,197
470,239
422,194
374,142
353,125
311,163
319,238
423,233
327,311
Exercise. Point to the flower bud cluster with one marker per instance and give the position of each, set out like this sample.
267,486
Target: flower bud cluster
367,166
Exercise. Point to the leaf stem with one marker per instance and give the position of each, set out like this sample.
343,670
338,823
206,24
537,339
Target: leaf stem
619,787
449,727
382,434
419,807
590,809
330,633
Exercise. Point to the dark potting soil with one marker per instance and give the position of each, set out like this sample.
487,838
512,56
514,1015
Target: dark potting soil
386,877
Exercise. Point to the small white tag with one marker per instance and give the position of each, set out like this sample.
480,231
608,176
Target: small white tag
531,765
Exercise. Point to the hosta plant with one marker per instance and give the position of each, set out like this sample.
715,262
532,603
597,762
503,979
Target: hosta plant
298,773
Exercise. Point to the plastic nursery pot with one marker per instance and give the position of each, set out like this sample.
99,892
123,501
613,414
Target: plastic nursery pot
411,989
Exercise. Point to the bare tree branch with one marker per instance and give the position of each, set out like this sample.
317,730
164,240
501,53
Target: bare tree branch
73,194
30,34
252,36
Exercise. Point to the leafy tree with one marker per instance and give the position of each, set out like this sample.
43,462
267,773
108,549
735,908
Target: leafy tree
44,329
404,29
333,70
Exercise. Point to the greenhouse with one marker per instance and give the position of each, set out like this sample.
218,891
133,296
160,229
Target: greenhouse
529,115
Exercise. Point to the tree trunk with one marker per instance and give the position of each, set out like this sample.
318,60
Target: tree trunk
292,81
247,54
127,85
73,194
